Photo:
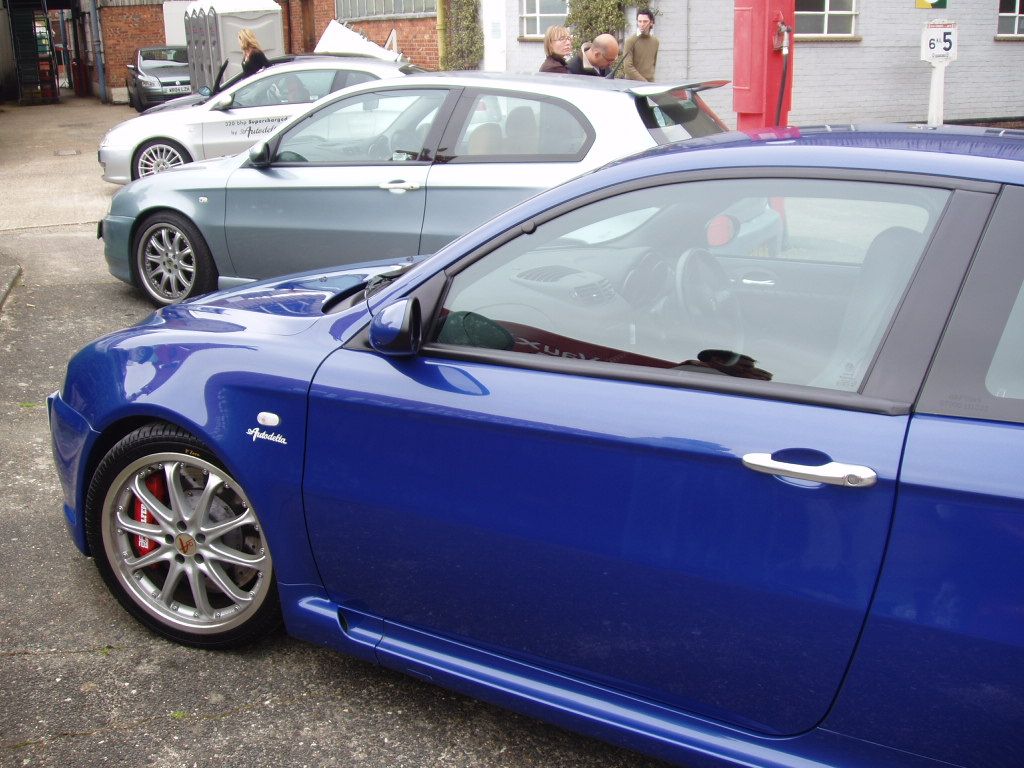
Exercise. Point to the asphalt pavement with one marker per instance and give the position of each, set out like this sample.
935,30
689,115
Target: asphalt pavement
81,684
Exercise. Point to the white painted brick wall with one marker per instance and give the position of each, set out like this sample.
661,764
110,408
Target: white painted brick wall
879,77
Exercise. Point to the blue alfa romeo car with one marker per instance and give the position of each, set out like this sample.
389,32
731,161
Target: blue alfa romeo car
714,453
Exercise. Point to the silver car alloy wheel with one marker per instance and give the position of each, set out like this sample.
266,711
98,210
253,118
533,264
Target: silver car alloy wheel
167,262
156,158
184,543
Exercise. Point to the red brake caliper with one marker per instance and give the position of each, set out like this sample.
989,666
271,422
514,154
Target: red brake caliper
158,487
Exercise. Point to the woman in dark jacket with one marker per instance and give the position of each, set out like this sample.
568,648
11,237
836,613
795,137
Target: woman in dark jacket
253,58
557,47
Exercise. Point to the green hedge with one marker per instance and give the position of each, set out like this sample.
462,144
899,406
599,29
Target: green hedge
465,44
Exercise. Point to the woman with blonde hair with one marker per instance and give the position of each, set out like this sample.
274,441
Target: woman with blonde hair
253,57
557,48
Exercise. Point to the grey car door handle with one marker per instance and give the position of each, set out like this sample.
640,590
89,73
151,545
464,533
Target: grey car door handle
750,281
832,473
398,186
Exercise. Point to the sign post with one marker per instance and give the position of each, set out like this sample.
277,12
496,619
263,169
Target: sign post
938,48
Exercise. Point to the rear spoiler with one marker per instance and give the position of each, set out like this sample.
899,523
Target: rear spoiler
656,89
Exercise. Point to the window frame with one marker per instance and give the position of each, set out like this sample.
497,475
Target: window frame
460,118
360,10
892,384
543,20
426,156
956,382
1017,16
825,15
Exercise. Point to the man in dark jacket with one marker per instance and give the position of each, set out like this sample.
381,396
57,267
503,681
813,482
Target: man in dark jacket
595,58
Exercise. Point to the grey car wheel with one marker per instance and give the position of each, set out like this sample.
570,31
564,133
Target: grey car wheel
158,155
171,260
178,543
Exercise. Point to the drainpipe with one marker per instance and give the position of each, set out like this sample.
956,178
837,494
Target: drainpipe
101,71
442,31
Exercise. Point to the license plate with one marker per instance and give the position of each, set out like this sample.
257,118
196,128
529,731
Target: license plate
177,89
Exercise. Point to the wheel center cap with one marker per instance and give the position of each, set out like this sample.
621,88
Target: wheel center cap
185,544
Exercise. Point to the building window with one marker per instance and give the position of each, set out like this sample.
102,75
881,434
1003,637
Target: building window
1011,17
368,9
826,17
538,15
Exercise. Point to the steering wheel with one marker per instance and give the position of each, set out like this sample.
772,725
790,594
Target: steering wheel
379,149
705,295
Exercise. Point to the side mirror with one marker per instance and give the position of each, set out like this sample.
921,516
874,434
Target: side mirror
131,67
205,91
397,329
222,103
259,155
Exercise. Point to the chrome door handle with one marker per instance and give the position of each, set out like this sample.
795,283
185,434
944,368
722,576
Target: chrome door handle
751,281
398,186
833,473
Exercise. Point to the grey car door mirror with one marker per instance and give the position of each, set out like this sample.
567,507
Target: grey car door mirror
259,155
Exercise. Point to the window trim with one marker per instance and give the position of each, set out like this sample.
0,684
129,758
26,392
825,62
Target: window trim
955,385
850,36
893,381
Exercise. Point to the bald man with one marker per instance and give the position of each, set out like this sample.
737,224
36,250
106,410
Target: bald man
596,58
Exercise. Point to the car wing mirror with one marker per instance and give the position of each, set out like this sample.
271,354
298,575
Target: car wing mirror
205,91
397,329
259,155
131,67
222,103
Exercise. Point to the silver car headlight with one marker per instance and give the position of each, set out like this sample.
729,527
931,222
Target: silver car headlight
149,81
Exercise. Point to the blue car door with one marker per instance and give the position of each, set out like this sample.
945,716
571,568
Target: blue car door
612,464
939,667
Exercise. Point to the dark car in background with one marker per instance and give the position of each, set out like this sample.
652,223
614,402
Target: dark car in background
157,75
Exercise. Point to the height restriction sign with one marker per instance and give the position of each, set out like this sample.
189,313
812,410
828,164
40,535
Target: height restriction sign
938,41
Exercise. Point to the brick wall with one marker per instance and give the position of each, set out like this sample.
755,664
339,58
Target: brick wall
124,30
417,38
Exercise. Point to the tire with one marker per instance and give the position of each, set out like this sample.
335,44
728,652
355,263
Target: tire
199,571
131,99
158,155
170,259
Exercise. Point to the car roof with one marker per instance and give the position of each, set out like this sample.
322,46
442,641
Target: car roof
970,152
545,81
338,61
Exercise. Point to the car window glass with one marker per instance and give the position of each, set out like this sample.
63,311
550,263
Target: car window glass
511,126
1005,377
676,115
284,88
388,127
351,77
787,280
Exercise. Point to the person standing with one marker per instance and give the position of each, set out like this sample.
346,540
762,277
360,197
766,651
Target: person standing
253,57
595,58
557,48
641,49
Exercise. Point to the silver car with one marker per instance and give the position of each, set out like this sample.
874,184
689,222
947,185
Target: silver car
233,119
384,170
157,75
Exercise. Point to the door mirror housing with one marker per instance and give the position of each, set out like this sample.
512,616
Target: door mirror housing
222,103
131,67
259,155
205,91
397,329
